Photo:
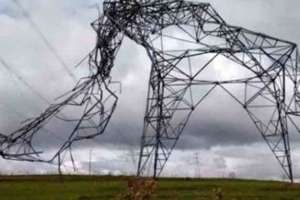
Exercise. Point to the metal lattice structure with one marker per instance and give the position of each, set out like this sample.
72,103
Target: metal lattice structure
178,83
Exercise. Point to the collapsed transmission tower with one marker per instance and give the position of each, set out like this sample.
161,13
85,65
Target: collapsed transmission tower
183,39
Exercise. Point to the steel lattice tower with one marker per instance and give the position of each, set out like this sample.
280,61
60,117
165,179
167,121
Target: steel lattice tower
177,85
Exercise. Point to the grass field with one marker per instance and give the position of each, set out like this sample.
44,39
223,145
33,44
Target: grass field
96,187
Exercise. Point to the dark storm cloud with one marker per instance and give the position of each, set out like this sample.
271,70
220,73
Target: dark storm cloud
67,26
227,126
207,127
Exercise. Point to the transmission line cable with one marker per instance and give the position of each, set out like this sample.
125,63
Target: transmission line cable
13,72
36,28
38,31
21,79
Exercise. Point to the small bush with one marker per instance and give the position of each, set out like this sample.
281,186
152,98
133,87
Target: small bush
218,194
139,189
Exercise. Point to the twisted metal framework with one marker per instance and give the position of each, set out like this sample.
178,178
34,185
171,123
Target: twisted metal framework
184,40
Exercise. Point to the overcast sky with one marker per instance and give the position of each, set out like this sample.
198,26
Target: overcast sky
222,145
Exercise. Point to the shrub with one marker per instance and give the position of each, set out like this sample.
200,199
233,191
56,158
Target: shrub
139,189
217,194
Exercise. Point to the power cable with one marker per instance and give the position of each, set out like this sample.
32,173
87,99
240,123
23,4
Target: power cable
38,31
21,79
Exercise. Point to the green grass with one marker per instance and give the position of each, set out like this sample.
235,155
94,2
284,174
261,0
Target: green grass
96,188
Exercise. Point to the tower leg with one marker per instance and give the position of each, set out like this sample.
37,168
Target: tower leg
153,124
